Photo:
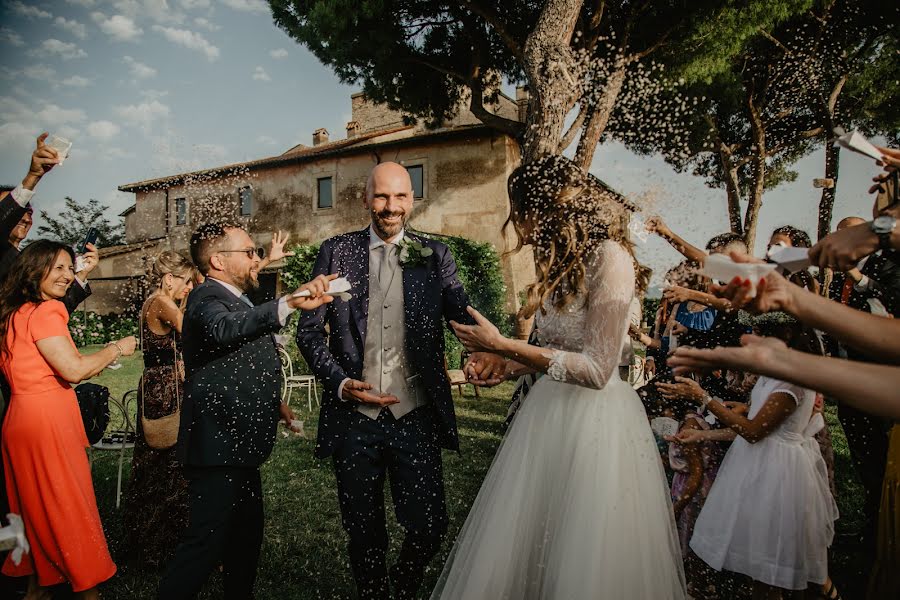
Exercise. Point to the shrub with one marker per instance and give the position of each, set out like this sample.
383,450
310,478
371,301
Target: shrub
91,328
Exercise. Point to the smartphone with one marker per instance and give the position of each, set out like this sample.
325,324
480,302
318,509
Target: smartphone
89,238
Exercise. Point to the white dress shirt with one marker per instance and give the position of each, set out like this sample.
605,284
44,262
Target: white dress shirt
284,311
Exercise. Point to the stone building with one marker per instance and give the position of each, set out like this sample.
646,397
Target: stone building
459,174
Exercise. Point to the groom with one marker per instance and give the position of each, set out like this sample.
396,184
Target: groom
387,409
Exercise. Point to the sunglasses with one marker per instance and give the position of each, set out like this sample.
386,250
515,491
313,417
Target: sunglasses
250,252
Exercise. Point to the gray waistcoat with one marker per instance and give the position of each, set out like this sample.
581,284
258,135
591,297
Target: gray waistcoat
385,364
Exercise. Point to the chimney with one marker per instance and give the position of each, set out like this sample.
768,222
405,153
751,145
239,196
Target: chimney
352,129
522,97
320,136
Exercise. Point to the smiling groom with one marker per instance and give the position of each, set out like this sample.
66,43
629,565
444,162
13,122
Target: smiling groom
387,409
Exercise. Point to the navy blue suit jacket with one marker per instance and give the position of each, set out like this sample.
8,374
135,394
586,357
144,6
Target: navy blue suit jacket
432,293
232,386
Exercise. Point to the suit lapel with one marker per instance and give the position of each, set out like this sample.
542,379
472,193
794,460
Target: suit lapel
413,289
357,267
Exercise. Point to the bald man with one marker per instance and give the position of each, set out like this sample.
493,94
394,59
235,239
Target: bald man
387,409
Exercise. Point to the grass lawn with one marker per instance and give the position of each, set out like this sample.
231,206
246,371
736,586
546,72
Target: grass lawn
304,552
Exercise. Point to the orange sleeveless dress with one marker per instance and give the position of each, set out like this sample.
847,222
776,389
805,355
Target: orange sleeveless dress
48,477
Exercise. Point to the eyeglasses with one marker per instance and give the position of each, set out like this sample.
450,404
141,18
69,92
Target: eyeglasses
250,252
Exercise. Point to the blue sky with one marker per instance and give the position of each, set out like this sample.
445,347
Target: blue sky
147,88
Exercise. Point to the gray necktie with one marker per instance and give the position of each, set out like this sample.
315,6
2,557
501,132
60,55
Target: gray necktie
246,300
386,267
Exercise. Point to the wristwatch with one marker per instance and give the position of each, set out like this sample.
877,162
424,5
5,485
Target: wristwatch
883,227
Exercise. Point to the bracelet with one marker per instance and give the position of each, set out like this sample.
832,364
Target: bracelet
706,400
118,348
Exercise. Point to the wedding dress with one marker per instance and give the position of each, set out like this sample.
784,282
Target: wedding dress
575,505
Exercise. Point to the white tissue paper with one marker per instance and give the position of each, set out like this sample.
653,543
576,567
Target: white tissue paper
721,268
856,142
338,287
61,145
791,260
664,426
12,537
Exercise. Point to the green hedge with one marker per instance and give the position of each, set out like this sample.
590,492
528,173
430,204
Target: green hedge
479,272
91,328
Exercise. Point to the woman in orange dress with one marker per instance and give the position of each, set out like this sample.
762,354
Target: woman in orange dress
48,477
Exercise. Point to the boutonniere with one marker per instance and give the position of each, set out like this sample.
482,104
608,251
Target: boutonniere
412,253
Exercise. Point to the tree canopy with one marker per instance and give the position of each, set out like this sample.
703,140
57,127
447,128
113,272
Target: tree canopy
74,222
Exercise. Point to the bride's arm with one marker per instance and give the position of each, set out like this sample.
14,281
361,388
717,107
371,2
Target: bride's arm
610,284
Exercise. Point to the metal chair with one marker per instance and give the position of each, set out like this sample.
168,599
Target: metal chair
291,381
119,439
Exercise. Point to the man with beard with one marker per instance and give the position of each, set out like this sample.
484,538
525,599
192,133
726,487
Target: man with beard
232,402
387,409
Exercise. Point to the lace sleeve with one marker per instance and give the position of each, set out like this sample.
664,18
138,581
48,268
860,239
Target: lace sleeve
610,287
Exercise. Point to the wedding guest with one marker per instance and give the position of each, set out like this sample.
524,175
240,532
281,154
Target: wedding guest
770,513
156,499
884,581
48,476
789,236
232,404
722,243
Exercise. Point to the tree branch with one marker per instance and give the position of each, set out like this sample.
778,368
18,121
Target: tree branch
496,23
510,127
569,136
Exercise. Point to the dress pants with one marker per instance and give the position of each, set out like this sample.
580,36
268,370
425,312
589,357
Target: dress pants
405,451
226,527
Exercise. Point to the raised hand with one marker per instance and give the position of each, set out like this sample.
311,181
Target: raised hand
43,159
360,391
90,259
481,337
842,250
773,292
317,296
276,247
655,224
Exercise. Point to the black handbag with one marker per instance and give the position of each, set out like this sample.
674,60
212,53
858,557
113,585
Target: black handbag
93,401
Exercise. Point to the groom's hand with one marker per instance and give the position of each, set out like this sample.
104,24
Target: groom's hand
485,369
360,391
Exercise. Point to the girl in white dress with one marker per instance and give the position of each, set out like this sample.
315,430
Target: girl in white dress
575,505
770,513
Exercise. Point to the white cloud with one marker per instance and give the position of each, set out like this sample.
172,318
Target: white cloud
33,12
259,74
11,37
103,130
256,6
118,27
189,39
206,24
193,4
266,140
76,81
143,115
279,53
84,3
64,50
138,69
39,72
52,114
72,26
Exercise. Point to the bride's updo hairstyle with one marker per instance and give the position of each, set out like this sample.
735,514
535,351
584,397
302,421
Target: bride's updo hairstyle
165,263
564,213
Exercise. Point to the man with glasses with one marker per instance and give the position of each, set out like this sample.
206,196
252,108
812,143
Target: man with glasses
232,403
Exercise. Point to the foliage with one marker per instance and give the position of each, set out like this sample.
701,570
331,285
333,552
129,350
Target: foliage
427,59
74,222
479,272
651,305
91,328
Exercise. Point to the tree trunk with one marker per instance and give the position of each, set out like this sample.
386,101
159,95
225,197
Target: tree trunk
732,189
553,81
826,203
600,114
758,175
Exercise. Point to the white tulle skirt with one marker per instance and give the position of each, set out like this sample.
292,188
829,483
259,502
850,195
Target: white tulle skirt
574,507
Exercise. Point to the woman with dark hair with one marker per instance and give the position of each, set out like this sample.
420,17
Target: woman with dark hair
48,477
577,474
791,237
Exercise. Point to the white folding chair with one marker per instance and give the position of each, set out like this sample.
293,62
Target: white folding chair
291,381
120,439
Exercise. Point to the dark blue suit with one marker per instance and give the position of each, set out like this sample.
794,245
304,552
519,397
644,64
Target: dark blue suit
365,450
232,392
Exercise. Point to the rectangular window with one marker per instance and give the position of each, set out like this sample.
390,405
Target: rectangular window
325,197
245,196
180,211
417,175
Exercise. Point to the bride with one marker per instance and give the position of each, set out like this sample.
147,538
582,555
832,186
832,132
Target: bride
575,504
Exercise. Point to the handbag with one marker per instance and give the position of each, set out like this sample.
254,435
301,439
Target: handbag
162,433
